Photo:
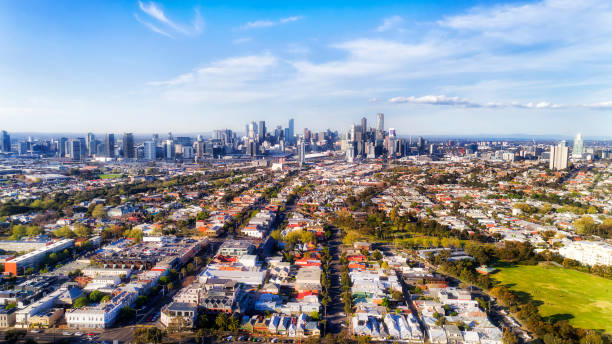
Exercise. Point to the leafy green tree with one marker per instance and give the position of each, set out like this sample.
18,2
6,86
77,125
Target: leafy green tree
315,316
585,225
144,335
385,303
203,215
82,231
234,324
98,211
96,296
64,232
222,321
80,302
19,231
33,231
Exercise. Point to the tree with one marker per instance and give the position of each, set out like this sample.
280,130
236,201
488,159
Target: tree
144,335
585,225
99,212
509,337
80,302
82,231
96,296
234,324
135,234
364,339
19,232
203,215
64,232
385,303
126,313
592,337
33,231
221,321
13,336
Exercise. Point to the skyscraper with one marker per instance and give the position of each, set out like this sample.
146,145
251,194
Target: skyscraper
291,132
5,141
559,155
302,153
91,138
109,145
150,150
61,147
262,131
128,146
364,125
252,130
578,150
74,147
169,149
380,122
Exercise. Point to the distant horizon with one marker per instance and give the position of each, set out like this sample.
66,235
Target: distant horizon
162,135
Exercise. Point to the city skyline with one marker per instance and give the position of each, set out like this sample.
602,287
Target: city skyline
450,68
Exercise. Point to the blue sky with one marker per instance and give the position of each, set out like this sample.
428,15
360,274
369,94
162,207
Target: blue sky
453,67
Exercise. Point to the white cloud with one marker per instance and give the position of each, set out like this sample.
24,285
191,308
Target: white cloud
155,12
233,79
198,22
269,23
259,23
152,27
465,56
435,100
290,19
390,23
463,102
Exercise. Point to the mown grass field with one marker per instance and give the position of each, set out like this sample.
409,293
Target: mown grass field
110,176
584,299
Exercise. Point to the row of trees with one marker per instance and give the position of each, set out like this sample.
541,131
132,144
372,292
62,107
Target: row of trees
345,285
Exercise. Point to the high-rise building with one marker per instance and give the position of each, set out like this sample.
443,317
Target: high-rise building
74,147
200,149
252,130
109,145
261,133
61,147
559,155
291,132
83,147
90,142
578,151
169,149
128,146
5,141
150,150
364,125
302,152
380,122
251,148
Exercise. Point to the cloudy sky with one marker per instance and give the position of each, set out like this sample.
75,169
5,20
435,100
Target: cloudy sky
453,67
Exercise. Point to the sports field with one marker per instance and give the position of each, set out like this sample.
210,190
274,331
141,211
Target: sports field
110,176
584,299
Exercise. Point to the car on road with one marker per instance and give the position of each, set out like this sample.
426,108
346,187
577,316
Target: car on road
66,333
35,331
78,334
